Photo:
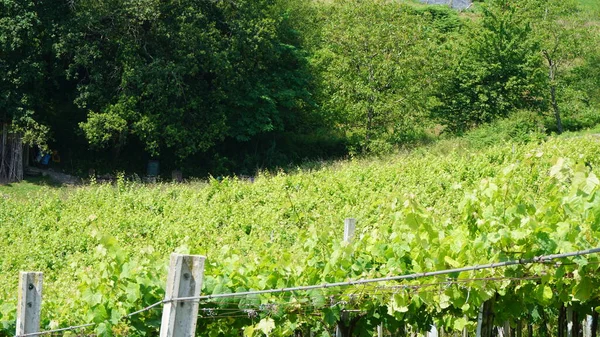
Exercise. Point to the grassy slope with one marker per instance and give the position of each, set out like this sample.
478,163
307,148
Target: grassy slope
227,219
591,5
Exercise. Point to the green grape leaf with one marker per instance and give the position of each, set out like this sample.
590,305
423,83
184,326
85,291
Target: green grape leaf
331,316
460,323
133,292
103,330
444,301
92,298
100,314
266,325
399,303
583,289
452,262
249,331
544,294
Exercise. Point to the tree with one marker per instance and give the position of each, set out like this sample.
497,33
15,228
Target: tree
182,76
376,65
498,71
557,26
26,57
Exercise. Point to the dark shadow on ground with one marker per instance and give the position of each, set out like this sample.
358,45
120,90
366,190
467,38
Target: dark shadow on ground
37,180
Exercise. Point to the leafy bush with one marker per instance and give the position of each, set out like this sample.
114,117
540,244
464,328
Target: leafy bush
520,127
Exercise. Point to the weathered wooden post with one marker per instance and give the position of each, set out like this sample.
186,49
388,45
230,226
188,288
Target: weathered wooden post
485,319
569,325
587,325
29,302
349,228
433,331
479,321
184,280
504,330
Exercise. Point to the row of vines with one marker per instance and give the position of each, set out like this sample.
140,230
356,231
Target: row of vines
104,248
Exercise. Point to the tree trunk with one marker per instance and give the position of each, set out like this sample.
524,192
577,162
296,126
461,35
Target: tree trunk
3,153
370,111
552,66
11,156
559,125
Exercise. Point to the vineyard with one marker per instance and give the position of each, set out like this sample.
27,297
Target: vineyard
104,248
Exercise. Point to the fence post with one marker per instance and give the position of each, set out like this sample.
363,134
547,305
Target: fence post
184,280
29,302
587,325
349,228
479,321
433,331
485,319
569,321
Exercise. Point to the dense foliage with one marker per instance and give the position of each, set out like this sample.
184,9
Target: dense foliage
222,86
104,248
498,72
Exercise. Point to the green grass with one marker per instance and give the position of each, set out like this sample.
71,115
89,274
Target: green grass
591,5
27,187
594,131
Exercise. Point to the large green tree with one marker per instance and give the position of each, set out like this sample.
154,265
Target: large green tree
562,31
182,76
498,71
377,64
30,75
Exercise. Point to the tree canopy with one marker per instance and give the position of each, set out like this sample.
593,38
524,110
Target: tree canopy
237,84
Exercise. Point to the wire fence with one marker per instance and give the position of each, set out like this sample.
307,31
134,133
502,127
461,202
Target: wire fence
251,312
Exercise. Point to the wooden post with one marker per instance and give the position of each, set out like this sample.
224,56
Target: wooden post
184,280
587,325
569,321
433,332
29,302
485,319
505,329
349,228
479,321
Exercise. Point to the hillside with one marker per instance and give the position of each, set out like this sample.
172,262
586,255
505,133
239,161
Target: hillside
103,249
